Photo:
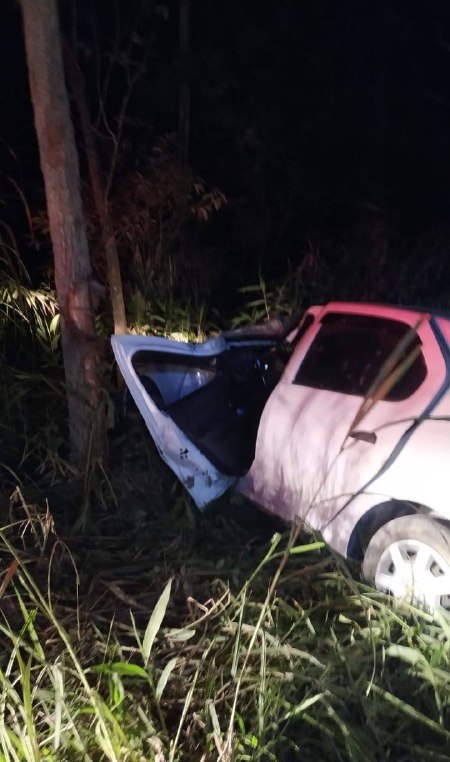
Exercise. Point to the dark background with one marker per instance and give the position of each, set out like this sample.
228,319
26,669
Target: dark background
324,123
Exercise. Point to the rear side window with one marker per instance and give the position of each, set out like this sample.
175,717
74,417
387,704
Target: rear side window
349,351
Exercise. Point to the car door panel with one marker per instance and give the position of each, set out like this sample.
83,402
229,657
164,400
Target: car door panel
306,464
201,402
204,481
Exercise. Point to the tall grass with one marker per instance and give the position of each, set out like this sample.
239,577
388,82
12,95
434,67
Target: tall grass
31,381
304,664
162,635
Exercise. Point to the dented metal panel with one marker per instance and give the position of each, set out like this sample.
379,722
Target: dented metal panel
200,478
308,464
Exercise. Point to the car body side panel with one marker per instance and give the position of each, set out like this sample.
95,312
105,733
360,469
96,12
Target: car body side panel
421,470
444,326
421,476
305,464
338,532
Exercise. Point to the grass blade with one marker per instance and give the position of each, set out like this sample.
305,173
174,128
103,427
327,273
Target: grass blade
155,622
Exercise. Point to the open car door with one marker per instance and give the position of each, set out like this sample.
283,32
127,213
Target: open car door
202,402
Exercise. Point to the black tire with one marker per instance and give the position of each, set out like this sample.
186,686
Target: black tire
409,557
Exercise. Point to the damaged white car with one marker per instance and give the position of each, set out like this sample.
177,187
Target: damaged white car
340,416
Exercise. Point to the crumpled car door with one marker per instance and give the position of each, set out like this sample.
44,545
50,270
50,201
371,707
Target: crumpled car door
163,383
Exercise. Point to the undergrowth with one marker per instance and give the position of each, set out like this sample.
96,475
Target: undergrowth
204,638
133,628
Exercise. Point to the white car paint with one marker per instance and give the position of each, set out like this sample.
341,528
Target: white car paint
306,463
200,478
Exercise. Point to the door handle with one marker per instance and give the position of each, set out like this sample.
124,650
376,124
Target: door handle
364,436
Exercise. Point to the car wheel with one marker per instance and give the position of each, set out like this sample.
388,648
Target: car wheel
409,558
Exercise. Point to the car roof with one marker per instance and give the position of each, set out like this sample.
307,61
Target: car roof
435,312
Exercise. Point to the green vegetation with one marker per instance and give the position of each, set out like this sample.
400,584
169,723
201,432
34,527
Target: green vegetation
175,640
135,628
132,627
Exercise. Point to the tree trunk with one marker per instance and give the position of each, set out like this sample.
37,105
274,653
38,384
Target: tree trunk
73,276
184,98
99,193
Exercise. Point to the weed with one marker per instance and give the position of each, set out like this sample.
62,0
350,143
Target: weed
293,658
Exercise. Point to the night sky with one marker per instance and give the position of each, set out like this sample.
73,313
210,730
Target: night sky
321,121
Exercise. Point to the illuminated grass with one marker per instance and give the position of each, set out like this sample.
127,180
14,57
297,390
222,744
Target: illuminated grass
116,663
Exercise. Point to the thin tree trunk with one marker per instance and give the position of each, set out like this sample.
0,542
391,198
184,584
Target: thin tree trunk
99,193
184,102
73,275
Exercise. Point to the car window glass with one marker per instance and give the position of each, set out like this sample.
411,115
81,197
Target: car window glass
349,350
172,377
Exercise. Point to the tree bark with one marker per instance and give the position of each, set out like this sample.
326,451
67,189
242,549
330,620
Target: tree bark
99,193
73,275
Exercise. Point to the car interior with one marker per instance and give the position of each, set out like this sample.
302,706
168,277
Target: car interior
216,401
